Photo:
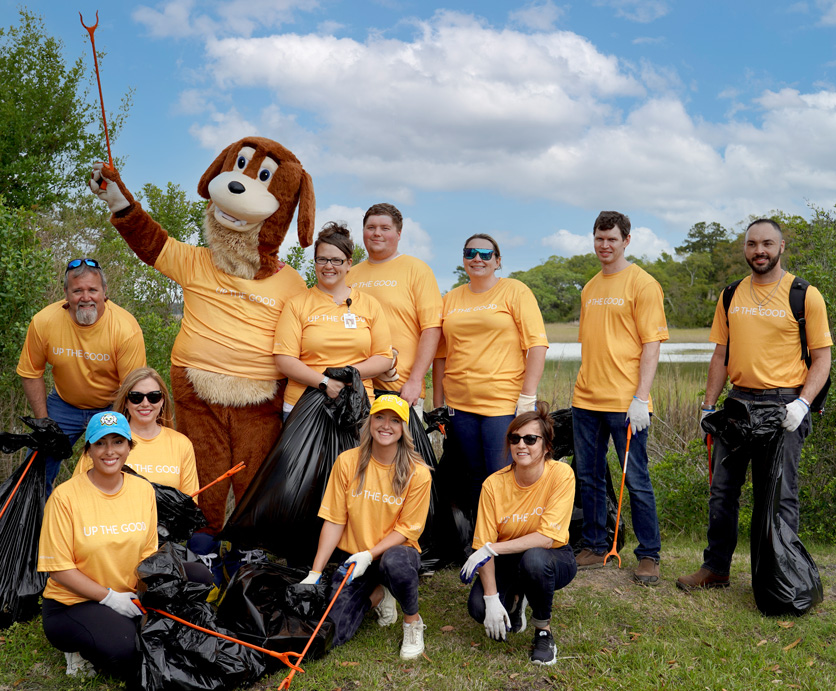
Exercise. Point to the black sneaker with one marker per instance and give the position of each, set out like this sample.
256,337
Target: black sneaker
517,615
543,650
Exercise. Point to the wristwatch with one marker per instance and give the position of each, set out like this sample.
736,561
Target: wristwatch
324,383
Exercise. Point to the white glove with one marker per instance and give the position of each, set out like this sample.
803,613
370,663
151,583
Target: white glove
525,403
392,373
638,415
121,602
796,412
703,413
479,558
112,195
497,621
312,578
362,561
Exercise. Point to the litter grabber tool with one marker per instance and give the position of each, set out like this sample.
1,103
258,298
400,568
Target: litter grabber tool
91,30
283,657
708,441
614,551
289,678
229,473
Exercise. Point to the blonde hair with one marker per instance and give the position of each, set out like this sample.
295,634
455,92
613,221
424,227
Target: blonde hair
406,458
120,400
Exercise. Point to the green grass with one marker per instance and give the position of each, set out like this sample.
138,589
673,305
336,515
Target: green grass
568,333
610,634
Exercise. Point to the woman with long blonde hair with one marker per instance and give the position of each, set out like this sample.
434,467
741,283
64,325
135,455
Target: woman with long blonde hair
375,507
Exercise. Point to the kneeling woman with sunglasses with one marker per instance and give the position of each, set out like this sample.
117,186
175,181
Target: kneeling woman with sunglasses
489,362
161,454
521,539
375,507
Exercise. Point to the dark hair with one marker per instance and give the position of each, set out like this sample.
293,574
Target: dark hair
539,414
607,220
131,444
385,209
769,222
338,235
483,236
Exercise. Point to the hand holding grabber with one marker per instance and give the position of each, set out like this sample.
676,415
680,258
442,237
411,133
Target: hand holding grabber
614,552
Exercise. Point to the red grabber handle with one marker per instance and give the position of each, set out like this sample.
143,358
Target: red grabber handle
234,469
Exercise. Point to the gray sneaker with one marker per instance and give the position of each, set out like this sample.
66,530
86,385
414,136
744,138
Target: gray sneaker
387,612
413,640
77,666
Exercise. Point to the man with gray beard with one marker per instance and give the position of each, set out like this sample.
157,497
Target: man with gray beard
90,343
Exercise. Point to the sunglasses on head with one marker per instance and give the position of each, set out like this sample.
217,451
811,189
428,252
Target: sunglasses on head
75,263
484,255
153,397
529,439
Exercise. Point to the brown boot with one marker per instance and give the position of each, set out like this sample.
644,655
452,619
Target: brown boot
702,579
587,559
648,572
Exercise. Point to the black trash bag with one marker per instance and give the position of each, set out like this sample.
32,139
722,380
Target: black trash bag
177,514
437,419
278,510
20,528
453,487
46,436
563,443
176,656
785,579
265,605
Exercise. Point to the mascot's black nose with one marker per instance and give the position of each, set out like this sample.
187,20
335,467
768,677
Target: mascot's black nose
236,187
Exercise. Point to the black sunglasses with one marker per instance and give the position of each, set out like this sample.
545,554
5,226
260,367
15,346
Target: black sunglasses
484,255
529,439
75,263
153,397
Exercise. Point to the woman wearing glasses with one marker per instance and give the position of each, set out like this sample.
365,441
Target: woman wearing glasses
331,325
521,539
490,359
161,454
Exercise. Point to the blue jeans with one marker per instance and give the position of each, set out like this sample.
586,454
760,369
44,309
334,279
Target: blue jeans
730,469
592,432
480,442
72,421
397,570
535,573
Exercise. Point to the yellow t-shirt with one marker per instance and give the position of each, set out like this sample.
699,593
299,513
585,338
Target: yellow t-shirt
88,362
167,459
313,328
104,536
407,291
485,338
508,511
373,513
619,313
228,322
765,348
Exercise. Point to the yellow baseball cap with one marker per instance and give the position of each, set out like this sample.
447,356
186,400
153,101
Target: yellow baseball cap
391,402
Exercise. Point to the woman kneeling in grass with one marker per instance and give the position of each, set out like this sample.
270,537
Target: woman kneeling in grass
375,507
521,538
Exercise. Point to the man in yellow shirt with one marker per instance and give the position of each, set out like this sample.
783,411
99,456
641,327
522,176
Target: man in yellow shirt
622,325
90,343
764,362
407,290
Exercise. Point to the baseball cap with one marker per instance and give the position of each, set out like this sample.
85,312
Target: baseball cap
391,402
109,422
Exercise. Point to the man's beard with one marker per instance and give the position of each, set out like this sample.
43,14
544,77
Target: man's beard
766,268
86,316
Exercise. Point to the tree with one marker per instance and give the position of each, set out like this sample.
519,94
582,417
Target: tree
557,284
52,126
703,237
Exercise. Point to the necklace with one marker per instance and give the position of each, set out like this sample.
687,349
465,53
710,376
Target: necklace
768,297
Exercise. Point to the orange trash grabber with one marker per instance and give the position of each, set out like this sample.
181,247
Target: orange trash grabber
284,657
14,491
289,678
708,443
614,552
91,30
229,473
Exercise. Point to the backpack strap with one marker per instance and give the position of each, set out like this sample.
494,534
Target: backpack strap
798,293
728,294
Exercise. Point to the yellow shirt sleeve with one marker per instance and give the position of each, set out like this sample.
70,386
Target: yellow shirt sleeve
554,521
486,518
32,361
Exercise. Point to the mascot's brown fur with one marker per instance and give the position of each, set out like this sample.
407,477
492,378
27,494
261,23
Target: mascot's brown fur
253,187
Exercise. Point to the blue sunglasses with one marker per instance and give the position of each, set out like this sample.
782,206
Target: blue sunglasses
484,255
75,263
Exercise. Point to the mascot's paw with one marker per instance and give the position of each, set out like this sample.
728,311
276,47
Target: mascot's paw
115,194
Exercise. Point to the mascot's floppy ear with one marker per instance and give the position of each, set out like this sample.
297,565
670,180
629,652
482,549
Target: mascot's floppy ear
307,210
216,169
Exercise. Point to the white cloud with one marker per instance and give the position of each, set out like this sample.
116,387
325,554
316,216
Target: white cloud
828,10
642,11
645,243
648,40
537,16
568,244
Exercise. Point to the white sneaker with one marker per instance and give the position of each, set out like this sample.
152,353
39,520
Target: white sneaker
413,640
253,556
77,666
387,612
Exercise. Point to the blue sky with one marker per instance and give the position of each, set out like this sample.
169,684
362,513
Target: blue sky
520,119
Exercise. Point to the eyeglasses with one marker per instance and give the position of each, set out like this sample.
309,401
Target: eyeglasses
484,255
322,261
153,397
529,439
75,263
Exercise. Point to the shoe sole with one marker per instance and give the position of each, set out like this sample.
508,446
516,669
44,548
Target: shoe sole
638,580
543,664
708,586
412,657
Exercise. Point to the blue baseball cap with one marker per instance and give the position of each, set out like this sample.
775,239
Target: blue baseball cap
109,422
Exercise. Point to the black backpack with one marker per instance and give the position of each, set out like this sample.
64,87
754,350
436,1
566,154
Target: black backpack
798,293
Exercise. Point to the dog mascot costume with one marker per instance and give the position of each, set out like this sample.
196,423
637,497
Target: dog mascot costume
223,375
